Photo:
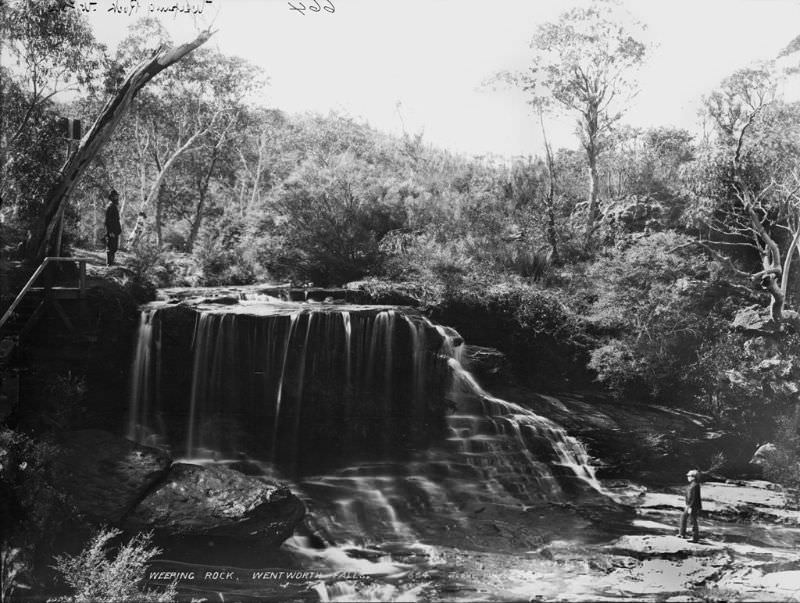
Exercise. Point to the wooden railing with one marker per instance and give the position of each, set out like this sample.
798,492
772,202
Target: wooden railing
81,288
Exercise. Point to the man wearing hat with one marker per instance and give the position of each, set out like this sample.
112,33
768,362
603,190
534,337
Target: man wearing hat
693,505
113,227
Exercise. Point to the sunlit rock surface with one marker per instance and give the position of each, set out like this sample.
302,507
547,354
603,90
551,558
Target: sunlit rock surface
218,501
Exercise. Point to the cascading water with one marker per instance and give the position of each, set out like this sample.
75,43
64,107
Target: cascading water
145,377
369,409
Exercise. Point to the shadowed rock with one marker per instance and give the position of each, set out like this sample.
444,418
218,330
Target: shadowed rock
104,475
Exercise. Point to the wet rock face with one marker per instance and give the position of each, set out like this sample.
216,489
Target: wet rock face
262,378
218,501
651,443
487,364
103,475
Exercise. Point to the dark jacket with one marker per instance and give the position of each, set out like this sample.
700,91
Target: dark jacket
112,220
693,497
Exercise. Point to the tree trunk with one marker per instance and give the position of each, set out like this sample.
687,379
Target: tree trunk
196,223
100,132
202,189
550,198
159,201
594,194
777,301
592,132
156,191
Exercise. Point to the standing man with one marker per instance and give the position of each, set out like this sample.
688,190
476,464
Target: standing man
693,505
113,227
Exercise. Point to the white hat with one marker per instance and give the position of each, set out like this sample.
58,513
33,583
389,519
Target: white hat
692,473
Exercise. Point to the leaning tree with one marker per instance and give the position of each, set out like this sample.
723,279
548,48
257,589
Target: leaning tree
100,132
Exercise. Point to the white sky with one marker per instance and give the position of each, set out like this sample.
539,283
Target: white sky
432,55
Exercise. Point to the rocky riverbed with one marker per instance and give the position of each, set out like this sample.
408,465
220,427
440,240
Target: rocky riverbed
750,532
748,551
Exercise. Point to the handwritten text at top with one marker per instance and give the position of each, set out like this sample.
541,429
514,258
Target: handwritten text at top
134,7
314,6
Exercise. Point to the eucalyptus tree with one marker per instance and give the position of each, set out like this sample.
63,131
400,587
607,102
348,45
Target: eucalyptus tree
584,64
748,182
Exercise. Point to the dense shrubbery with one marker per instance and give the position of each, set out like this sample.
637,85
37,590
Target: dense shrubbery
747,383
93,576
31,511
655,305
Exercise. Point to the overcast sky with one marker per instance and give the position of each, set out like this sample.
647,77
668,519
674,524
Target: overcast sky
419,64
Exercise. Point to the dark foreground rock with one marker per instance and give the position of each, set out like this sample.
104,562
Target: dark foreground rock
218,501
105,476
111,480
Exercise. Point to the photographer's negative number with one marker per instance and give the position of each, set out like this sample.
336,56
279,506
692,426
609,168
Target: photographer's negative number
314,6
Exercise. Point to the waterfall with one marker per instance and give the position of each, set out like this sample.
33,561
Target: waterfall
286,343
491,432
369,409
145,377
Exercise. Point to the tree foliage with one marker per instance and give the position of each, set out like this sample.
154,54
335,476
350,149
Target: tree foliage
45,52
655,301
584,64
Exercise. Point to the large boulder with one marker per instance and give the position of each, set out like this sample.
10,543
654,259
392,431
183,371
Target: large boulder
104,476
217,501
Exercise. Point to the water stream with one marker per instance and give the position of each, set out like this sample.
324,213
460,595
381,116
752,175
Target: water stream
369,415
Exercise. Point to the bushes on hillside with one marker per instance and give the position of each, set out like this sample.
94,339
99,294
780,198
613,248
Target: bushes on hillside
657,302
334,216
546,343
747,383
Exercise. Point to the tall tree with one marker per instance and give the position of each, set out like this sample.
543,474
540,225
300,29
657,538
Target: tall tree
584,64
102,129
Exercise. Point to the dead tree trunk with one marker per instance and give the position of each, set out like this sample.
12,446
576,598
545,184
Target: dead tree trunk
100,132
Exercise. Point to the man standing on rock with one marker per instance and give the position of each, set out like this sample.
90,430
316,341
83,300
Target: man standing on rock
113,227
693,505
